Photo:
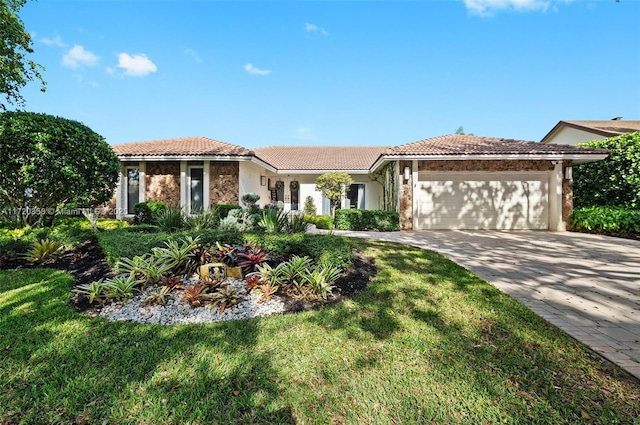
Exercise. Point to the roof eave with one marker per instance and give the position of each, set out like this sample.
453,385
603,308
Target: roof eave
293,171
184,158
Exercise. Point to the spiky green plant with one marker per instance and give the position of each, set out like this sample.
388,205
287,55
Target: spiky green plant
293,271
225,296
159,297
43,250
120,287
93,290
177,255
321,280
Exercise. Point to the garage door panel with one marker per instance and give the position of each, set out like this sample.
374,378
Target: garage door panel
482,201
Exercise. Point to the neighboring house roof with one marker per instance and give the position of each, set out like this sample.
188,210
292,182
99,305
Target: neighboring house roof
320,158
184,146
606,128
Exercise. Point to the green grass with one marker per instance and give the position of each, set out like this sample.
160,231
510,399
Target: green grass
427,341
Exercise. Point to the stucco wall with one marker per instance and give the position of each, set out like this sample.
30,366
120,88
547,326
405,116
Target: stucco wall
163,182
573,136
224,183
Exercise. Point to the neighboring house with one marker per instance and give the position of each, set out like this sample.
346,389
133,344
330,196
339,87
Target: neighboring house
448,182
574,132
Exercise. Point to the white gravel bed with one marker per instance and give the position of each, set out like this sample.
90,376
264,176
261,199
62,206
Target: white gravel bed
176,311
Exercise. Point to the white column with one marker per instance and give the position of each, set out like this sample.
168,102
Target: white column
120,204
142,172
205,185
184,193
555,198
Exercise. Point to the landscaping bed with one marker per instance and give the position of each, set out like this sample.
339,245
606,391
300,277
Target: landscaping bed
87,263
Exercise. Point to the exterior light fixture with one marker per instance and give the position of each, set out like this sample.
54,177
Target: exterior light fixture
263,180
568,173
407,173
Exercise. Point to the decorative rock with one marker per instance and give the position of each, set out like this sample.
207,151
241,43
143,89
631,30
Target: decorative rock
175,311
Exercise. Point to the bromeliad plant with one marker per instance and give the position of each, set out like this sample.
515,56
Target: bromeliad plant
94,290
43,250
120,287
321,280
251,258
196,294
224,297
177,255
159,297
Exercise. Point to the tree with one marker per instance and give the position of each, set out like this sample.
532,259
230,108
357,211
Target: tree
15,69
614,181
47,162
334,187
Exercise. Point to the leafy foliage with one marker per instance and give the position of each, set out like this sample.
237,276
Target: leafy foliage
15,69
274,221
120,287
93,290
178,256
44,250
606,219
334,186
309,206
378,220
201,220
321,280
251,258
47,161
225,296
321,221
161,296
171,220
195,294
148,212
614,181
221,211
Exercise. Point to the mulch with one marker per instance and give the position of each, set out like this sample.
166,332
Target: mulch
87,263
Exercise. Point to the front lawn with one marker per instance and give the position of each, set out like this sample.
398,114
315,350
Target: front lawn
425,341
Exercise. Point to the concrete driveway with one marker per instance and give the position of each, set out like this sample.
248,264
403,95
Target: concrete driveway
587,285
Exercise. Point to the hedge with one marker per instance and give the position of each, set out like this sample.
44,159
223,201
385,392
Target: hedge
323,249
379,220
222,210
321,221
605,219
148,212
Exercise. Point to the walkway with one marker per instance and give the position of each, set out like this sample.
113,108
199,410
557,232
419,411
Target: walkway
587,285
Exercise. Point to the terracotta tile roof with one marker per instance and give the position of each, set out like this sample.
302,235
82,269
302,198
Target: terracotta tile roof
458,144
320,157
185,146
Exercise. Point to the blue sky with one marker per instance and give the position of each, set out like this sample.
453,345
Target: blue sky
332,72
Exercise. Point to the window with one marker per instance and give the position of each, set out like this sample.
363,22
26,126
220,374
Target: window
196,192
294,186
133,188
355,196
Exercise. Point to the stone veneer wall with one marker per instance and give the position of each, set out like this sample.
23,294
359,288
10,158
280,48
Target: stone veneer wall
224,182
163,182
485,165
567,194
405,196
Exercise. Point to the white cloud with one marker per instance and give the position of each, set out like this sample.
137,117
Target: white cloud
304,133
77,56
137,65
314,28
57,41
193,54
487,7
253,70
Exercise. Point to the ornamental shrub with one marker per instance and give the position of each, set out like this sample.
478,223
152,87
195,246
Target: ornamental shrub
384,221
222,210
47,161
614,181
321,221
148,212
605,219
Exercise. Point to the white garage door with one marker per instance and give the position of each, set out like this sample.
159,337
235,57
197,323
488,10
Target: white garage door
476,200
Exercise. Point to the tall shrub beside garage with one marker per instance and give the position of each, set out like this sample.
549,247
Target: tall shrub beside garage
48,161
614,181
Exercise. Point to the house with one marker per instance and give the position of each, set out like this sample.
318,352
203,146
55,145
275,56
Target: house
574,132
447,182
